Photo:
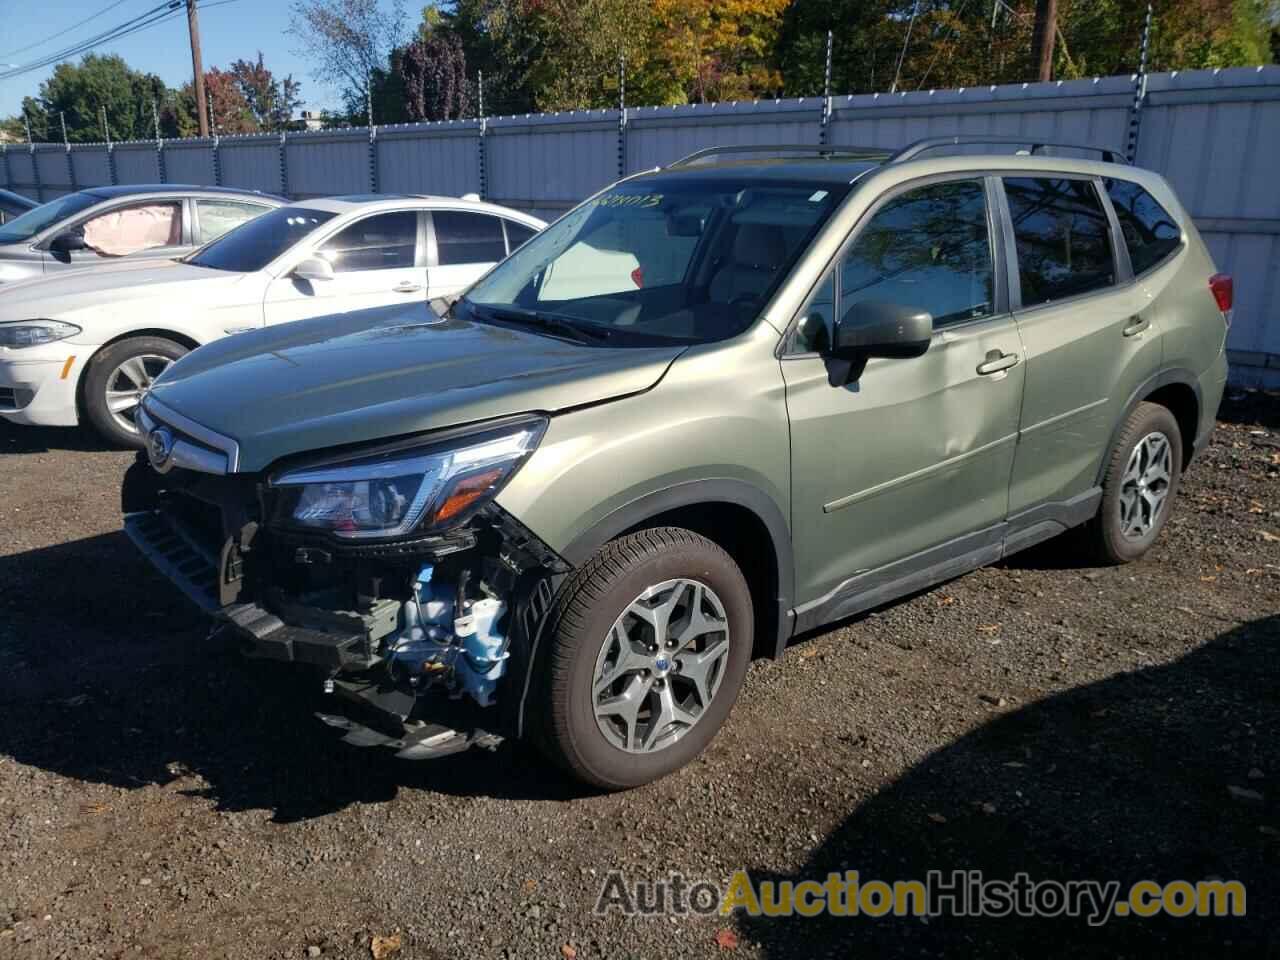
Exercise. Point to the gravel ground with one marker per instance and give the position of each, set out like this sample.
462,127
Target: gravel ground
160,797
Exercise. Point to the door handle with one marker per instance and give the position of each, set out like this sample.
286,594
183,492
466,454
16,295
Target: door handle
997,361
407,286
1135,325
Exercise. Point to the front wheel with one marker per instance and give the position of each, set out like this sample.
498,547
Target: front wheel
1142,476
116,379
649,643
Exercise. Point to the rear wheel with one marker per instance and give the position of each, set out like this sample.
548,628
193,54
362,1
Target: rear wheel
649,645
116,379
1143,472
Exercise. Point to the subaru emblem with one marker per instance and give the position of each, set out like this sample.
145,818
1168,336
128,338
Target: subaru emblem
159,448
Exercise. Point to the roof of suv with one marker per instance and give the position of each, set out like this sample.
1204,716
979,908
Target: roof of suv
135,189
837,163
824,170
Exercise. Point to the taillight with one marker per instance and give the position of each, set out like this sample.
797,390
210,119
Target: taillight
1223,289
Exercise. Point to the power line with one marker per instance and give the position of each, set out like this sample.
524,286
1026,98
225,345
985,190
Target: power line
954,23
915,9
74,26
153,16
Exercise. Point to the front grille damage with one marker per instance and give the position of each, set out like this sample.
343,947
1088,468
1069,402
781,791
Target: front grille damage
425,644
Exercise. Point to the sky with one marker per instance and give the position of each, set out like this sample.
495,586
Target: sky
228,31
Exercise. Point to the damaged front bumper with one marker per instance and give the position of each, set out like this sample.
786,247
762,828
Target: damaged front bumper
426,645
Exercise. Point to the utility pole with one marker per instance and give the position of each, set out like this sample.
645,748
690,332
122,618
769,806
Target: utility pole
1042,37
197,66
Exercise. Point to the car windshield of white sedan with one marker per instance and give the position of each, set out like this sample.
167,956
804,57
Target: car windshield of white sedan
255,244
42,217
690,260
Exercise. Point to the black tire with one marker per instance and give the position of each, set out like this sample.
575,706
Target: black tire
102,366
1105,534
577,628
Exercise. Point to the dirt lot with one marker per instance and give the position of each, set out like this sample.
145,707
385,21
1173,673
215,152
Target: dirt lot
159,797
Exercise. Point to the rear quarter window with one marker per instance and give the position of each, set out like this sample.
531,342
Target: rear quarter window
1151,234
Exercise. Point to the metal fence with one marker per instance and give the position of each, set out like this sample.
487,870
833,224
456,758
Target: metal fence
1213,133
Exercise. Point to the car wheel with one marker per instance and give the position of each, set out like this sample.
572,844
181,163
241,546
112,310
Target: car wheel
116,379
649,642
1138,488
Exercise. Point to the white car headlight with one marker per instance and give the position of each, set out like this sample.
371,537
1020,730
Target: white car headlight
33,333
403,490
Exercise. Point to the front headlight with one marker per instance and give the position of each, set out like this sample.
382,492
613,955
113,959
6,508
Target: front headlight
33,333
393,493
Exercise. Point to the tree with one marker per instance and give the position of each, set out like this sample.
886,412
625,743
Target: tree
434,71
348,40
719,49
388,91
955,43
80,91
272,102
580,46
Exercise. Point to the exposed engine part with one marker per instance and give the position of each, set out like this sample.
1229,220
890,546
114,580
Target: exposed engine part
466,603
484,651
447,638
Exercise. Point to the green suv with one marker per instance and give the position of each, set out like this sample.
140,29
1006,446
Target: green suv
713,407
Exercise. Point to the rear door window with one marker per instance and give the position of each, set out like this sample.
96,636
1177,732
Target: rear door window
386,241
463,237
221,216
1150,232
1063,238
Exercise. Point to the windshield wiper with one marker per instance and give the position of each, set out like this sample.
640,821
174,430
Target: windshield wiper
553,323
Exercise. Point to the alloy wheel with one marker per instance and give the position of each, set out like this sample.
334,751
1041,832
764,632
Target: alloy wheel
1144,487
660,666
126,385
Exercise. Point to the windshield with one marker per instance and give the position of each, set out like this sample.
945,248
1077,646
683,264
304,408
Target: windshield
661,259
253,245
34,221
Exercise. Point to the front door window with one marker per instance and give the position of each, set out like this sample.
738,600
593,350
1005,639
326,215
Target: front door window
126,230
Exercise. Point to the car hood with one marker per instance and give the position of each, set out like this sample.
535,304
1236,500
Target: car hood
57,295
388,372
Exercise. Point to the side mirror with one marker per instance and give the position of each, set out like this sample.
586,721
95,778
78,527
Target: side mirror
68,241
875,329
314,268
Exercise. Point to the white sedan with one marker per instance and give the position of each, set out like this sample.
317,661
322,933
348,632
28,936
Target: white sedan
91,342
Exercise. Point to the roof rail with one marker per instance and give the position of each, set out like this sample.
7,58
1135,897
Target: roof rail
913,150
830,150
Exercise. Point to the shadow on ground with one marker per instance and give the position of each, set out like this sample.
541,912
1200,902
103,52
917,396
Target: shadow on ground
108,675
1252,408
21,439
1124,779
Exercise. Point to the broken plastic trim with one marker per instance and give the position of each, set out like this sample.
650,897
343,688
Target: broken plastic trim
426,742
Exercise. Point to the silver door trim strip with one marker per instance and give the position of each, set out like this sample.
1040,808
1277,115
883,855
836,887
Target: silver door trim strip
915,475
